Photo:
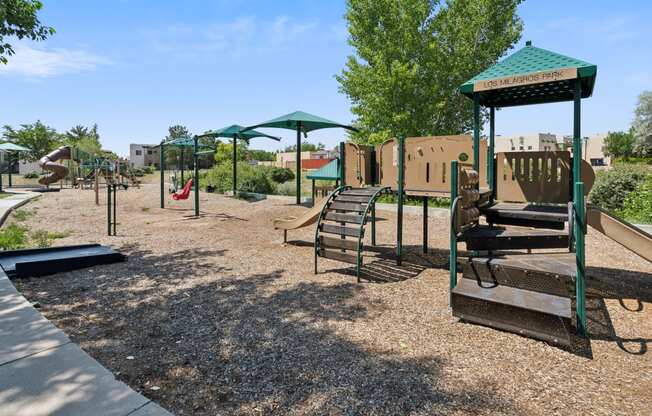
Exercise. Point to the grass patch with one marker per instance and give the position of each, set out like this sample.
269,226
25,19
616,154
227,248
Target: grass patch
5,195
435,202
21,215
13,237
43,239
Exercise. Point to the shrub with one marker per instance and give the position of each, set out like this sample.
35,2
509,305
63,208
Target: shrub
281,175
637,206
250,179
13,237
148,170
287,189
612,186
31,175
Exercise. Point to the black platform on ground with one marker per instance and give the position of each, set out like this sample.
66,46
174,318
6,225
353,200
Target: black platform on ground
43,190
500,238
528,215
45,261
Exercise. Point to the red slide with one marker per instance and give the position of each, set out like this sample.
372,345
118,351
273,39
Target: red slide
185,192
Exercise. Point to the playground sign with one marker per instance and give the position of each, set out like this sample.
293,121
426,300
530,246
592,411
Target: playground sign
560,74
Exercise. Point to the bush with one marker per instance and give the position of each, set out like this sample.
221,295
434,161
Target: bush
281,175
250,179
612,186
31,175
148,170
637,206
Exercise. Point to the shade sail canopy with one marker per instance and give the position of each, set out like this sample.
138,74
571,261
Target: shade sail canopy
13,147
186,142
531,76
328,172
235,130
308,122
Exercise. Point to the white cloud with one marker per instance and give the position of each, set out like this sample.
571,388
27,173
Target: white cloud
285,30
33,62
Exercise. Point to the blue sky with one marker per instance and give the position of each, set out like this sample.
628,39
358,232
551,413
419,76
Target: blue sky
137,66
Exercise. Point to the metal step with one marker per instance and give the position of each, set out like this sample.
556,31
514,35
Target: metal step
353,198
496,238
339,256
339,217
537,315
528,215
490,272
340,230
347,206
338,243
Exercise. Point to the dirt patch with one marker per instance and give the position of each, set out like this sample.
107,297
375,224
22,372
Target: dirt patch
215,316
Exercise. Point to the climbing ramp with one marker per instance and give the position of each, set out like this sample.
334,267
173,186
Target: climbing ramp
341,224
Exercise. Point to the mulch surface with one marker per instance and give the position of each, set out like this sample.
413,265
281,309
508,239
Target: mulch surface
216,316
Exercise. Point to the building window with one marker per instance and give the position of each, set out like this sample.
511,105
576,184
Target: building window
529,148
513,148
139,152
520,148
597,162
149,152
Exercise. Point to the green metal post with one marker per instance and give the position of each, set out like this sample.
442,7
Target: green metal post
162,166
196,179
580,293
312,193
491,166
476,132
580,215
183,157
115,207
298,163
342,167
373,224
9,170
399,219
235,165
0,181
108,209
425,225
453,233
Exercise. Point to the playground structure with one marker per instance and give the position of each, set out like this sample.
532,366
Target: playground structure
529,201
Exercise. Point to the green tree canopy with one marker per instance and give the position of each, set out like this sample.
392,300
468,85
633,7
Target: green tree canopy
224,151
84,138
619,144
261,155
412,55
18,18
37,137
642,126
305,147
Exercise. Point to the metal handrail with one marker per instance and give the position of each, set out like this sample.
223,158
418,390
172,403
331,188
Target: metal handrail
329,199
372,201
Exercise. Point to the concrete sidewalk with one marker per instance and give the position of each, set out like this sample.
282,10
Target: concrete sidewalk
43,373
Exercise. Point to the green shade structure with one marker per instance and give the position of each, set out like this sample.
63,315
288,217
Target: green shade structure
301,122
10,147
235,132
13,147
533,75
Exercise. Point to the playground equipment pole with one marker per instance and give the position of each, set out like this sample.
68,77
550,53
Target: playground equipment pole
399,219
425,225
298,163
183,165
453,233
491,167
476,133
108,209
580,220
235,165
162,166
342,167
115,207
196,180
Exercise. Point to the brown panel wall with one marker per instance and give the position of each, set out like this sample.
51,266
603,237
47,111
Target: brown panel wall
542,177
357,164
427,162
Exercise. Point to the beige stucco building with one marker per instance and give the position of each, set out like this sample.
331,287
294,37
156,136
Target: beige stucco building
526,142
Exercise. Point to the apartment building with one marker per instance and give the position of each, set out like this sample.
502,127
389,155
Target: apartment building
537,142
141,155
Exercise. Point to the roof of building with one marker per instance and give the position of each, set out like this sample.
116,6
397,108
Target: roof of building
531,76
328,172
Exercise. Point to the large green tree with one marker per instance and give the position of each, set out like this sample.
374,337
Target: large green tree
37,137
18,19
84,138
619,144
305,147
173,153
642,125
412,55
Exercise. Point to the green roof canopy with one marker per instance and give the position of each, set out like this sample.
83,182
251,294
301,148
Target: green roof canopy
13,147
235,130
184,141
307,121
531,76
328,172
